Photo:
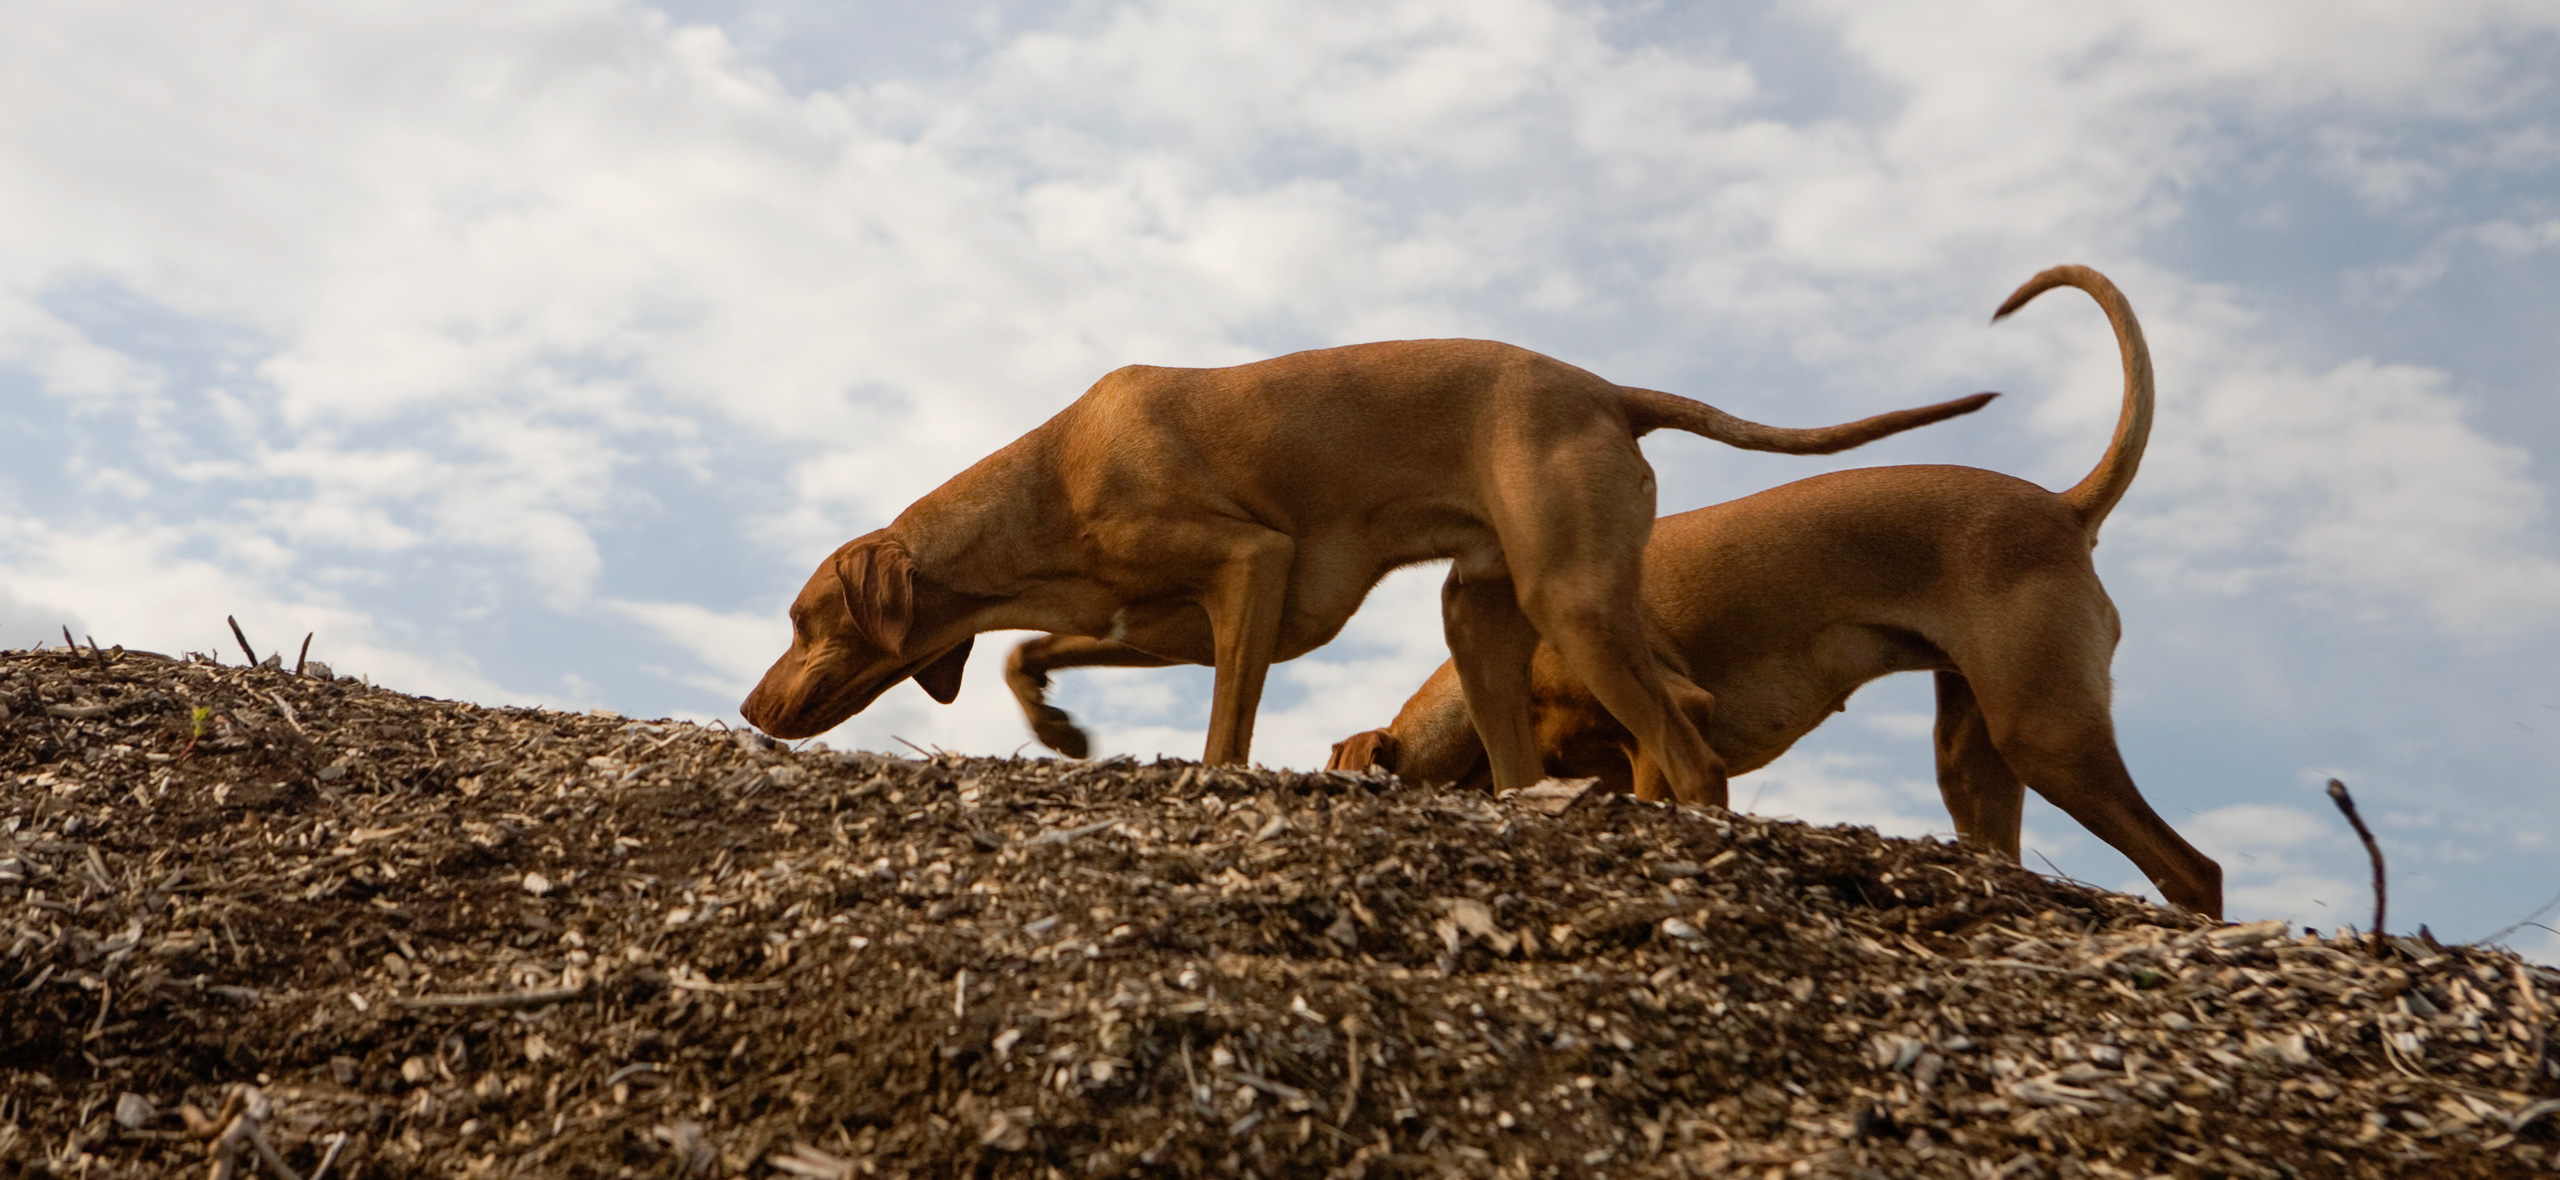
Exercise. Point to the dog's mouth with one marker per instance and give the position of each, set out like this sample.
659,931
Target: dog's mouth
805,701
810,702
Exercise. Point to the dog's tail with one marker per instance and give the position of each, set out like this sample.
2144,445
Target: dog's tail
1648,410
2097,494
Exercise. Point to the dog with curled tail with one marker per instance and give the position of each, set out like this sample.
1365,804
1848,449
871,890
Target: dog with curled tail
1781,604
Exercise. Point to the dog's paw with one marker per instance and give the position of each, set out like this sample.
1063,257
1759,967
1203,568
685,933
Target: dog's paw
1058,732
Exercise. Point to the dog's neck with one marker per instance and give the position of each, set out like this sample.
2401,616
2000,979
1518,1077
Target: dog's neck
998,544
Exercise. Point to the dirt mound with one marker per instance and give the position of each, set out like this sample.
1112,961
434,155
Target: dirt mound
253,912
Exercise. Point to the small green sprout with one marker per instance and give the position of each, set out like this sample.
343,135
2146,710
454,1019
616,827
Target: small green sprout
196,717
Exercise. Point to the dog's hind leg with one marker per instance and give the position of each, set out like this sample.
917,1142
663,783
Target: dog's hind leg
1573,512
2086,778
1026,672
1983,795
1619,669
1578,576
1644,775
2054,731
1490,643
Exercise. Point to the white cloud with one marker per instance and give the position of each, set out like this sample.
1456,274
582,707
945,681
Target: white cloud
1901,725
2276,861
26,624
2365,478
2538,944
2440,59
1843,788
737,648
65,362
137,587
1387,651
479,235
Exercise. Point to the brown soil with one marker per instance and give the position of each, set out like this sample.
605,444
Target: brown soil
454,940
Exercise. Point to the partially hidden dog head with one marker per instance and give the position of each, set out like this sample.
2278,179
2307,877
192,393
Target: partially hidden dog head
1360,751
850,629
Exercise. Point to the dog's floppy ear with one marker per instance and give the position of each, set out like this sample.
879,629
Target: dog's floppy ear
1360,751
879,585
941,678
1388,753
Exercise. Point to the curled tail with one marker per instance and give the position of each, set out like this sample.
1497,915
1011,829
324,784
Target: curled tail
2096,494
1649,410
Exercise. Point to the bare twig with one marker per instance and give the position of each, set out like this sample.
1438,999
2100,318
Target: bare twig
226,1150
2022,965
305,657
289,718
2531,919
337,1142
242,1109
1065,835
631,1070
2347,804
492,999
1351,1092
2058,874
1190,1075
1280,1090
267,1152
695,983
244,640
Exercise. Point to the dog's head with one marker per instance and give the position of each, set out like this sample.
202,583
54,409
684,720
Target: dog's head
1360,751
850,632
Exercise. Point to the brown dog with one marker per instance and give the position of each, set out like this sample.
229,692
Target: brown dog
1237,516
1784,603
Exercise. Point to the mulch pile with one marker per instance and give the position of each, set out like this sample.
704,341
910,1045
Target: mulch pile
261,923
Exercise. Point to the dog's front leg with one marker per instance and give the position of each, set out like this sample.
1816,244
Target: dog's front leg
1026,672
1244,605
1490,641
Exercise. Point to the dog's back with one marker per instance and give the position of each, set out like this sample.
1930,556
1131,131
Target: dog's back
1783,603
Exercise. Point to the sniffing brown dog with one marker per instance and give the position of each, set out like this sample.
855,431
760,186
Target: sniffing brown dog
1237,516
1783,603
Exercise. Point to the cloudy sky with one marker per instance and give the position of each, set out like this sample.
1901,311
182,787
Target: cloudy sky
535,351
